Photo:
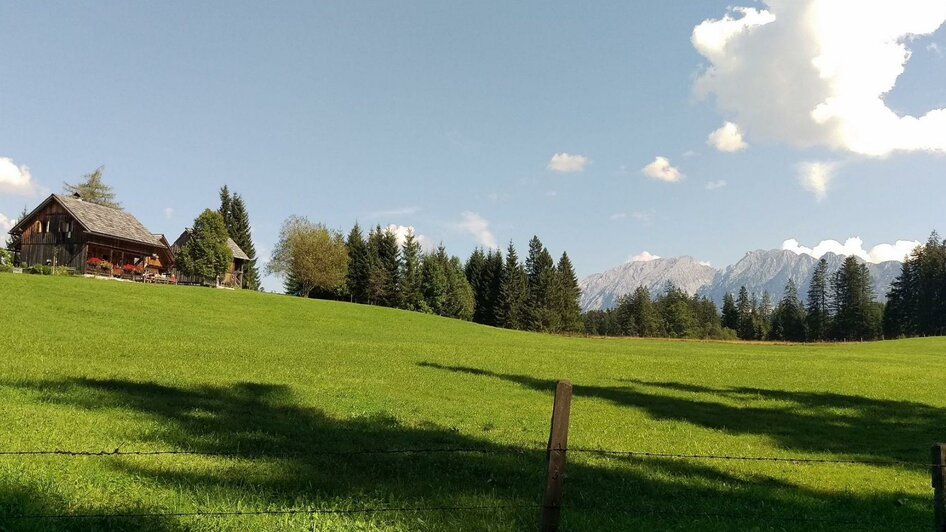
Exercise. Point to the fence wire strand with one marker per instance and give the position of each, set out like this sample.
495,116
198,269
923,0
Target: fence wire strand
463,450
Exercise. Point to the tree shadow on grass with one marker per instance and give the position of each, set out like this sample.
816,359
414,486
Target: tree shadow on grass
289,459
800,422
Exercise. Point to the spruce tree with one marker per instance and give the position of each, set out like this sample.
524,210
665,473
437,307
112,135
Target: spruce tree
677,313
855,315
543,284
378,281
93,190
493,273
788,321
435,282
746,309
475,271
513,292
412,295
569,296
389,255
460,302
819,304
237,220
358,278
730,313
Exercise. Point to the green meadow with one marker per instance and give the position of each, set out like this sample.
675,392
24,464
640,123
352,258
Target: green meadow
274,394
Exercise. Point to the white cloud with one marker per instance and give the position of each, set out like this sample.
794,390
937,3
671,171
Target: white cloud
401,232
728,138
713,185
815,72
644,256
705,263
662,170
478,227
618,216
15,179
566,163
690,153
405,211
551,193
5,224
855,246
168,213
816,177
644,217
935,48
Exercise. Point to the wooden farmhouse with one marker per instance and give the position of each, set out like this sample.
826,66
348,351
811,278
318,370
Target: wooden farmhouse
234,276
66,231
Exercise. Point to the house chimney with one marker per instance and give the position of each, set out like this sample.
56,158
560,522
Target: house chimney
77,196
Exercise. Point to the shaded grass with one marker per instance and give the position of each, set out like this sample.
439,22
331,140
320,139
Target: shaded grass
92,365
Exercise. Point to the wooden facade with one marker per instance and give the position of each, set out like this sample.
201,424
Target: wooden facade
68,232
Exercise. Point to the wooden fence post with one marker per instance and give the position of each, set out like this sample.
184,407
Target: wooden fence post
558,445
939,487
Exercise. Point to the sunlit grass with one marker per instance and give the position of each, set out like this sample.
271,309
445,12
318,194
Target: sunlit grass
93,365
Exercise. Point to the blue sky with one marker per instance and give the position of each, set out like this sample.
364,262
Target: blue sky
445,116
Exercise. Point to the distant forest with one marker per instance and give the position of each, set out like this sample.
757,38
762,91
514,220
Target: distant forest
838,307
375,269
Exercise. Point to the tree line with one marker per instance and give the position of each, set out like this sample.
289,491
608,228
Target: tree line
838,306
376,269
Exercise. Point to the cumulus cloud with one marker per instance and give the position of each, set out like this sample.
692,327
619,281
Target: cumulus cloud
897,251
816,177
815,72
6,223
662,170
644,256
15,179
706,263
478,227
713,185
566,163
401,232
728,138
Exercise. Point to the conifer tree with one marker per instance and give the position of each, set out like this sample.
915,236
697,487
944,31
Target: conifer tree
568,295
475,270
745,306
378,281
435,284
855,316
358,275
389,255
677,313
493,281
543,283
819,304
237,220
412,295
730,313
92,189
513,292
788,321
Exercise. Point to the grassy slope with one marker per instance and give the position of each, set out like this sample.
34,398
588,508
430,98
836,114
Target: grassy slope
91,365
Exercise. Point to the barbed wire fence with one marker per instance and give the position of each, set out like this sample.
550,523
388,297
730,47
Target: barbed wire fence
550,507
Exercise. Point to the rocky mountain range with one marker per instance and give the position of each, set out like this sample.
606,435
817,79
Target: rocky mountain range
759,271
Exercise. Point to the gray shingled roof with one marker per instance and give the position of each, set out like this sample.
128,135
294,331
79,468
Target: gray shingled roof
107,221
234,248
237,252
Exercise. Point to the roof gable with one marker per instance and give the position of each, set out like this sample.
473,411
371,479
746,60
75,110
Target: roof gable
101,220
234,248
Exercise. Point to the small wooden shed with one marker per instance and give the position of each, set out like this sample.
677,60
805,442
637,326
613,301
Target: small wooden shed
234,276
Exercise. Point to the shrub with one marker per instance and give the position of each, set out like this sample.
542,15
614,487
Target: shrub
39,269
4,268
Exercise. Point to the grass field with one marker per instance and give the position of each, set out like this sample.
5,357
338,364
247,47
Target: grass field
91,365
